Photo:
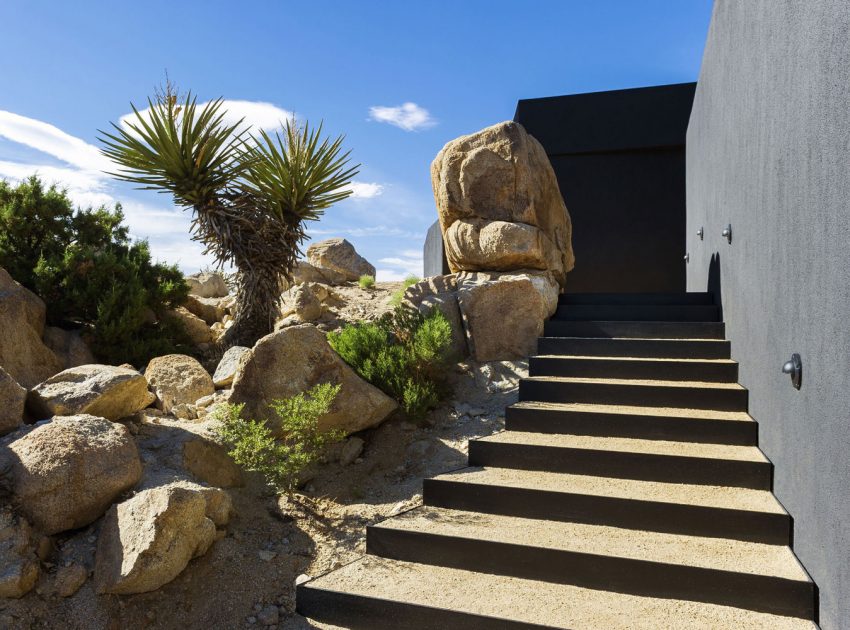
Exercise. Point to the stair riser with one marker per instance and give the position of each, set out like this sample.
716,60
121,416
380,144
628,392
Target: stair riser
647,467
638,577
632,426
632,299
640,330
761,527
645,370
717,399
368,613
651,348
637,313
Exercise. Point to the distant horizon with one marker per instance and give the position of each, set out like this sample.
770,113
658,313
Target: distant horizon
398,81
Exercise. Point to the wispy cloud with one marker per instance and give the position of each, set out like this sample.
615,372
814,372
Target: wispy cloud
381,231
405,263
256,114
407,116
365,190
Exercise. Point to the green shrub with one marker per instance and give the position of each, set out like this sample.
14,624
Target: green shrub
405,354
366,282
84,266
398,296
281,462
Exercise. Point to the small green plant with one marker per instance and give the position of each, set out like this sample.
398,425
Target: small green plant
366,282
398,296
253,446
405,354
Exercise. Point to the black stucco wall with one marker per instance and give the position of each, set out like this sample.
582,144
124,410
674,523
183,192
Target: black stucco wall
620,161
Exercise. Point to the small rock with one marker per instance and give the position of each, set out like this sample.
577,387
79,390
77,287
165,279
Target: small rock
302,578
351,450
252,620
69,579
476,411
266,556
268,616
177,379
226,370
398,508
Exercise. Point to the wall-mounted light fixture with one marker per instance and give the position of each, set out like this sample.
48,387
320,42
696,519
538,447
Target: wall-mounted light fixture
794,367
687,258
700,233
727,233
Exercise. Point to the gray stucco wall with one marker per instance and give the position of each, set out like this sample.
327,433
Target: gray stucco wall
768,150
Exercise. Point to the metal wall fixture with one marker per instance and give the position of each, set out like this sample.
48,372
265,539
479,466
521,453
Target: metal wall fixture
794,368
700,233
727,233
687,258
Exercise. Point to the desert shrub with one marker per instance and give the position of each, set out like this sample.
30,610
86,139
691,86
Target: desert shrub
90,274
253,446
366,282
405,354
398,296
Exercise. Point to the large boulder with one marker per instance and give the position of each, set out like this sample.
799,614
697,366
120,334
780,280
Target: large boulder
499,204
66,472
195,327
13,397
338,255
22,351
100,390
177,379
440,293
68,346
293,360
227,366
304,271
207,285
148,540
301,303
19,566
211,310
503,314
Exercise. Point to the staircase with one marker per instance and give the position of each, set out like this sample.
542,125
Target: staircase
627,491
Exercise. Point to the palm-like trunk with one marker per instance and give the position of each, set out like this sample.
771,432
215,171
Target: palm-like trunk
257,306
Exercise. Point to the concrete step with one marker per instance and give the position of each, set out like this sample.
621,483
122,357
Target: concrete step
636,298
649,348
635,330
638,312
641,393
376,593
713,511
625,458
755,576
647,423
713,370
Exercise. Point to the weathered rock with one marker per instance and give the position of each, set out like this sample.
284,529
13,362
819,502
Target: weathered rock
495,176
177,379
67,471
68,346
226,369
351,450
70,578
306,272
291,361
503,314
440,292
19,567
338,255
209,462
210,310
207,285
302,303
22,353
148,540
99,390
196,328
12,400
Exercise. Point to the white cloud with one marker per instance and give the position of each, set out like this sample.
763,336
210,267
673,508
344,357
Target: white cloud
365,190
408,262
256,114
408,116
374,230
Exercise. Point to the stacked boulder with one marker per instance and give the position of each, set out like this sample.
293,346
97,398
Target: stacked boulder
508,240
208,310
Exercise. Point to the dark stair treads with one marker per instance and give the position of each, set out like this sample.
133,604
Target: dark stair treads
636,298
638,313
625,458
647,423
635,330
737,513
718,370
649,348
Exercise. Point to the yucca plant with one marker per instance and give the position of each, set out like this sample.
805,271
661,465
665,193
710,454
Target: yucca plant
250,193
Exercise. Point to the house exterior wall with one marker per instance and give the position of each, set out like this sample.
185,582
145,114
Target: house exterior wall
768,150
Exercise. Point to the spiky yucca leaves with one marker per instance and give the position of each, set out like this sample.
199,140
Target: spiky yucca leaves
250,194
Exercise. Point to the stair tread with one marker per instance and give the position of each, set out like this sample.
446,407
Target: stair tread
630,445
673,412
725,497
614,358
549,605
636,381
722,554
633,338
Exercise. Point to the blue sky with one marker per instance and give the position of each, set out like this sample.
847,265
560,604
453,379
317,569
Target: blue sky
399,79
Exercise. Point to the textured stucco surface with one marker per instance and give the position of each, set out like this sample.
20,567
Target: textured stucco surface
768,150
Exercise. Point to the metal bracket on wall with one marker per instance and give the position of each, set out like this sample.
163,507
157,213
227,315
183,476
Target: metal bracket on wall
727,233
794,367
687,258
